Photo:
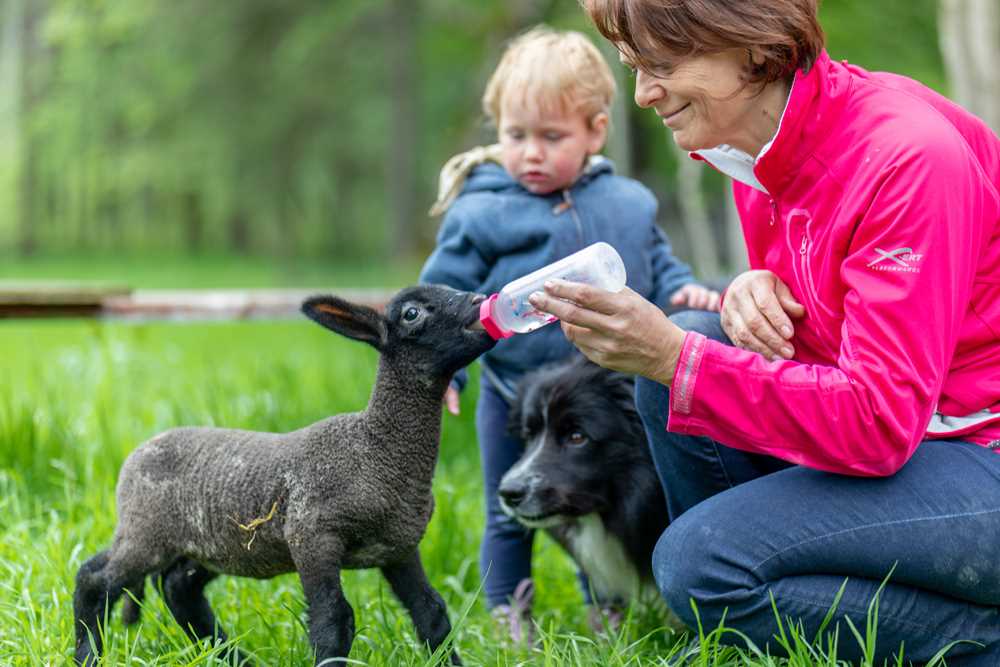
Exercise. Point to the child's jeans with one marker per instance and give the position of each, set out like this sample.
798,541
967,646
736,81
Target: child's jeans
505,552
747,527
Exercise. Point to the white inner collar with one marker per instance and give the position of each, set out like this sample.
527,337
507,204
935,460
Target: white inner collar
739,164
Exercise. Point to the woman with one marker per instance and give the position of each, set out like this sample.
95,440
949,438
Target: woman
839,420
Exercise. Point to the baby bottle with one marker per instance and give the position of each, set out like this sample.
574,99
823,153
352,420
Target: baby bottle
508,312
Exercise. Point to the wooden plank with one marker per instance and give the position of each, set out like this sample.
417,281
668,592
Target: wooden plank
48,299
228,304
72,300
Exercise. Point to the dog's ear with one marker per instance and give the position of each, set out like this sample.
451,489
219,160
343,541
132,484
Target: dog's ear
621,388
348,319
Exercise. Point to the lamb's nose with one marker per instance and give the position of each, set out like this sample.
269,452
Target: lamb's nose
513,495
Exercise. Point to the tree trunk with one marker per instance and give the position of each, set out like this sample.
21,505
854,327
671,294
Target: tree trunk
736,249
27,19
970,44
404,124
620,136
194,222
238,232
694,215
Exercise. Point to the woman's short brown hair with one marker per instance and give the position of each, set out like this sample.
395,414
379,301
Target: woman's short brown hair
655,33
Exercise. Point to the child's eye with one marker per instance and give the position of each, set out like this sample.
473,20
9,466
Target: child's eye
515,134
553,136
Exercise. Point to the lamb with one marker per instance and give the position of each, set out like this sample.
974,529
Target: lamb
351,491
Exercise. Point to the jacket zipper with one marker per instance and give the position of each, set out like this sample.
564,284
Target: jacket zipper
568,204
809,291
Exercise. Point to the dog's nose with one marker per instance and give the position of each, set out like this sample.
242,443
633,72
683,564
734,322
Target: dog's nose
513,495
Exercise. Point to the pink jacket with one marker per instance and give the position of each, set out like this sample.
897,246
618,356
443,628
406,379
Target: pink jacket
884,220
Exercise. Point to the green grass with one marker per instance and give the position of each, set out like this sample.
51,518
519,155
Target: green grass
76,397
218,271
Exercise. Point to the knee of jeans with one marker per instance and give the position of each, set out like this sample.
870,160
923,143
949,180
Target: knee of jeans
669,571
682,568
700,321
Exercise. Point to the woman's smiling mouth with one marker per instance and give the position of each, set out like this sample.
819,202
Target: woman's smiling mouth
668,117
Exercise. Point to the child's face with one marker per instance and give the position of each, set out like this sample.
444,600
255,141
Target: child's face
546,150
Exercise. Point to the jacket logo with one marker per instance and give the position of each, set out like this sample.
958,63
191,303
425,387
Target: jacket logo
900,259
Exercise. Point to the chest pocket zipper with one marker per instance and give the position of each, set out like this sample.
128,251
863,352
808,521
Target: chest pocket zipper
815,305
567,205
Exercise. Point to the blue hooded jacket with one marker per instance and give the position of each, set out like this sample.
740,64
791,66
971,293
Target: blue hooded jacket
497,231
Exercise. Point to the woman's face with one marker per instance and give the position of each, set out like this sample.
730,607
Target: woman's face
705,102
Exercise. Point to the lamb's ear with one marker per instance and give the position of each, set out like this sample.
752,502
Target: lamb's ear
348,319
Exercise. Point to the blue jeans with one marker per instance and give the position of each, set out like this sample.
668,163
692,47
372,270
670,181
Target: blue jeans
505,551
745,527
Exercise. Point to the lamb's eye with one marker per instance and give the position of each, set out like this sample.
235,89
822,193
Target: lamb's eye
410,314
576,439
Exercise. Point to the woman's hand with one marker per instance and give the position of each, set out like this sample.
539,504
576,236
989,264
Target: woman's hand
621,331
696,296
757,312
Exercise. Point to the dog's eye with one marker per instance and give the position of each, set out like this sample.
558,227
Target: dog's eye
410,314
576,439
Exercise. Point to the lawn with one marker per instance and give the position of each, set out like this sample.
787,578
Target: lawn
177,271
77,396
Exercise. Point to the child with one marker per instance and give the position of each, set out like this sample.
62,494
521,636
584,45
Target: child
540,194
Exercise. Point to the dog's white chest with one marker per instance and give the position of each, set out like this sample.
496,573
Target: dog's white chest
602,556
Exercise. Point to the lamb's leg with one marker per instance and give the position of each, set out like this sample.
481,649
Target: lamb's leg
99,583
184,592
331,619
428,611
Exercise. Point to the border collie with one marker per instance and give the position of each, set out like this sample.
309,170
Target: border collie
586,476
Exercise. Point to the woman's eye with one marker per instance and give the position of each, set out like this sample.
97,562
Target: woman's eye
410,314
576,439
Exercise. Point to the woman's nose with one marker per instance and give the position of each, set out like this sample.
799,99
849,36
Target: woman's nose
648,90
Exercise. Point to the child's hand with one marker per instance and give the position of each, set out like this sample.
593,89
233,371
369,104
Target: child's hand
451,400
696,296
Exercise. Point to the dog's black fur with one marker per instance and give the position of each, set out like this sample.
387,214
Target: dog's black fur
586,475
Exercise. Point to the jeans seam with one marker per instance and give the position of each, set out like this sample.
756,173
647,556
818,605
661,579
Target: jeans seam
754,569
848,608
721,463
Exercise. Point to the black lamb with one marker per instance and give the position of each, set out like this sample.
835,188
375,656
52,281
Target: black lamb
348,492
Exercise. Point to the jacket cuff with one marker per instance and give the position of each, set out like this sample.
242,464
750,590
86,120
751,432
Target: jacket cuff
686,373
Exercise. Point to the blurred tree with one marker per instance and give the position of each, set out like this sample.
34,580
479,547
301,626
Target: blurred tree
286,128
970,43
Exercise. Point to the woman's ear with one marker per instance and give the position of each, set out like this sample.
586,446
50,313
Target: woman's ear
598,133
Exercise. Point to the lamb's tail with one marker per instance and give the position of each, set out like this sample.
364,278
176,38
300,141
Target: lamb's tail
132,602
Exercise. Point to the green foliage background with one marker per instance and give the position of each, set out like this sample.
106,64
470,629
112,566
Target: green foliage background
300,128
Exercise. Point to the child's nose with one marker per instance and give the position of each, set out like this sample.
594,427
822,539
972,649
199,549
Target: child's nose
533,150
